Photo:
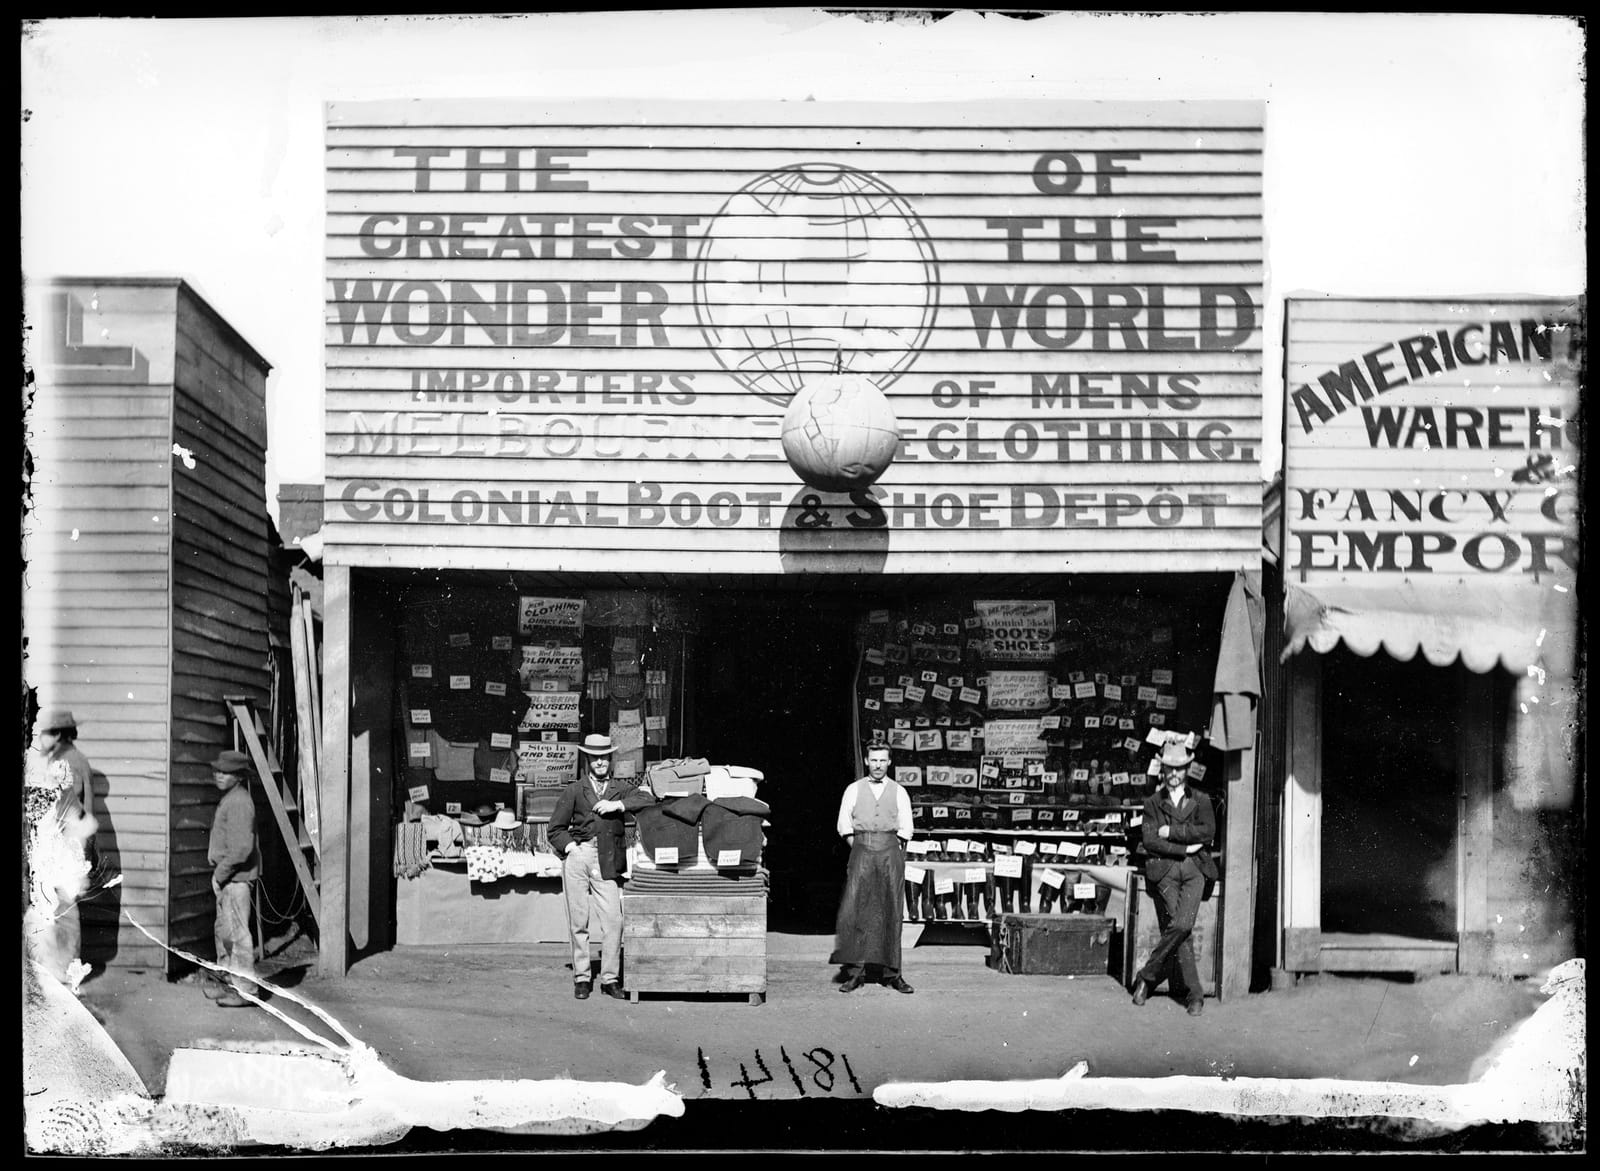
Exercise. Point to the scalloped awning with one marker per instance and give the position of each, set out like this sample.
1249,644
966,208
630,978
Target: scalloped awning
1517,626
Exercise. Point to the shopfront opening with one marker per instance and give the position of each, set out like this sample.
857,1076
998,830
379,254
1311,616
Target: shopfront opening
771,685
1390,797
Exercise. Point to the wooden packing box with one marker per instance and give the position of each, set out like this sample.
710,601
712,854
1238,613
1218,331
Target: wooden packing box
1051,945
695,943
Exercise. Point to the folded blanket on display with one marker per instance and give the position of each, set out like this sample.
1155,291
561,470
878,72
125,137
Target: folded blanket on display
749,881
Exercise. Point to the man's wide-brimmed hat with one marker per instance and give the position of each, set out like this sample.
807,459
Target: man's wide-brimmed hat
56,719
1176,754
505,819
597,744
230,761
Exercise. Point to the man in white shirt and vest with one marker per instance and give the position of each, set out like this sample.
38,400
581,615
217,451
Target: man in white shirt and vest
875,822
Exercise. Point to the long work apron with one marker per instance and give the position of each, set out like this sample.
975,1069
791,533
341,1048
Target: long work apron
868,930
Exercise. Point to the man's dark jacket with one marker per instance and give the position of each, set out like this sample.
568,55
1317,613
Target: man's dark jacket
574,820
1192,821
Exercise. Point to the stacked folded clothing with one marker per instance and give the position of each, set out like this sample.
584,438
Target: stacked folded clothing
659,882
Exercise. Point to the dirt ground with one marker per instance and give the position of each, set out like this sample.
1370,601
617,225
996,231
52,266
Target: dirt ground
452,1012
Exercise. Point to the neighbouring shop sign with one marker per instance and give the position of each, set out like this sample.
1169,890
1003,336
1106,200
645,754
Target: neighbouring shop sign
1431,438
562,336
1431,462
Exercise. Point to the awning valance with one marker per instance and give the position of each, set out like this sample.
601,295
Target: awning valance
1529,624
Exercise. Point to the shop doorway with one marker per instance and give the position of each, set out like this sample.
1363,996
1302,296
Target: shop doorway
1390,794
772,690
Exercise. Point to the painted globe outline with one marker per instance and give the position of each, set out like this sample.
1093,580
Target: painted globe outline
769,340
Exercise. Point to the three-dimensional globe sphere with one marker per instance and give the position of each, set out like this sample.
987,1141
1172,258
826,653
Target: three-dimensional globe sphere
839,432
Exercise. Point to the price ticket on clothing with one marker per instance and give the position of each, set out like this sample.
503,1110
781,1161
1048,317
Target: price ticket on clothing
1024,848
1070,849
1052,878
419,751
460,640
729,857
944,886
499,776
1085,890
1147,694
421,715
1008,866
461,683
422,670
915,875
977,874
418,793
500,642
666,855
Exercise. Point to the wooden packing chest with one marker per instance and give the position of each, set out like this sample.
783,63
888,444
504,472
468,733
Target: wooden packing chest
1053,945
695,943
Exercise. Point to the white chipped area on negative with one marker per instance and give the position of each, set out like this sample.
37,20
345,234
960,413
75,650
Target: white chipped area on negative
321,1095
1533,1074
184,454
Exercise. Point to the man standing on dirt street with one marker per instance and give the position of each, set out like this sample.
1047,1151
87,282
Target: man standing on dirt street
236,864
875,822
586,827
1177,830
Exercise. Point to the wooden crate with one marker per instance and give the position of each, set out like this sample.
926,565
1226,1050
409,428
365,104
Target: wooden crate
695,943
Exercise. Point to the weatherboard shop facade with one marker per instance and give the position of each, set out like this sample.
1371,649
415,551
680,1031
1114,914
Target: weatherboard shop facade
1432,808
564,348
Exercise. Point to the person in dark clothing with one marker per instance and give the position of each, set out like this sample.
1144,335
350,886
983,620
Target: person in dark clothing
236,863
587,828
1177,829
875,822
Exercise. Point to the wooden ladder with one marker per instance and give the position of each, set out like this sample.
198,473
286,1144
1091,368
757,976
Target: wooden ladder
249,736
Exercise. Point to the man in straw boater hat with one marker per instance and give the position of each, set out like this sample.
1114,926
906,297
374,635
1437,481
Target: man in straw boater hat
236,863
586,828
1177,830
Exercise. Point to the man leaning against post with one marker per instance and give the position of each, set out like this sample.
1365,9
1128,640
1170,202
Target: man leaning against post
1176,831
236,863
586,827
